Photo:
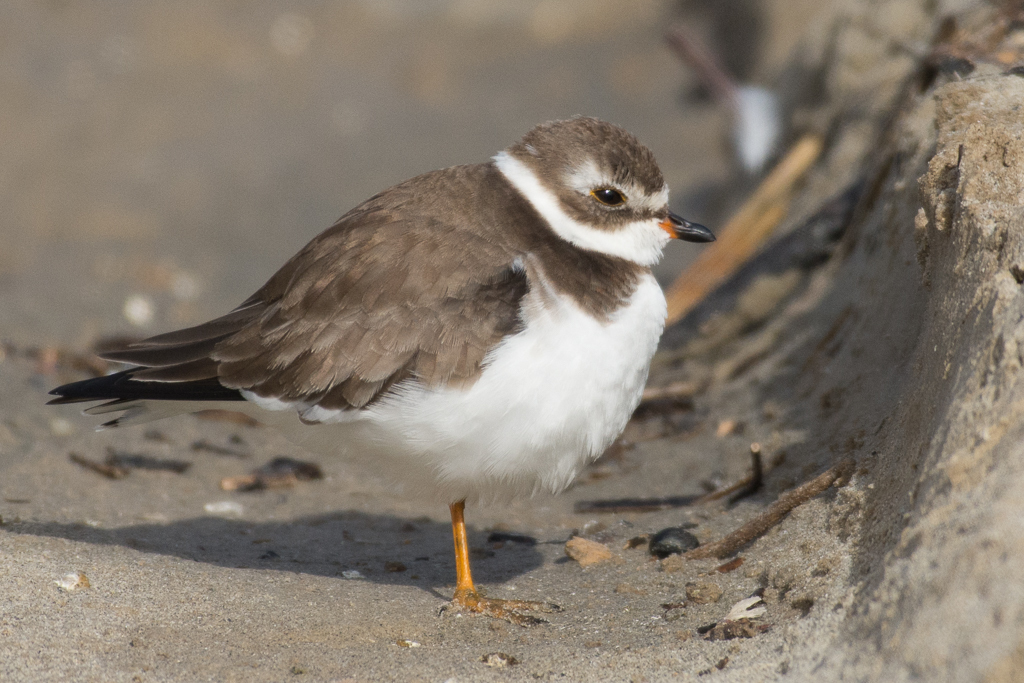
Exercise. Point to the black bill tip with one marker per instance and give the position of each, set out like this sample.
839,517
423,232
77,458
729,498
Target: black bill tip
687,231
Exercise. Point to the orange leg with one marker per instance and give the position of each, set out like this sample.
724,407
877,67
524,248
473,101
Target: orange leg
463,574
467,598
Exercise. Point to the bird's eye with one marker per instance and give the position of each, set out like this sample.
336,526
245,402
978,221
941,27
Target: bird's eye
608,196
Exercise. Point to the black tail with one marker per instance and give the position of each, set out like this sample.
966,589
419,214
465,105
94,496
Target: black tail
121,387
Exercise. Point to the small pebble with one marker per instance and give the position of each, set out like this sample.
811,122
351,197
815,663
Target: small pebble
703,593
728,630
61,427
280,472
637,541
674,540
673,563
587,552
407,643
498,660
394,567
138,310
726,427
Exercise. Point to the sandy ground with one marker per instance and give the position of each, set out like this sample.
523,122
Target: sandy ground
173,162
177,154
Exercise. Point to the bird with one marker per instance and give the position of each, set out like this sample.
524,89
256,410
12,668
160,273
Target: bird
476,333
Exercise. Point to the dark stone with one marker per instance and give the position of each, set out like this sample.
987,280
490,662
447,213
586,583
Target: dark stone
671,541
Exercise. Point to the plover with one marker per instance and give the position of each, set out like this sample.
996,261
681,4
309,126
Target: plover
475,333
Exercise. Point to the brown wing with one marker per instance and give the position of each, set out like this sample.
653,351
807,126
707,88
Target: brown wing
410,284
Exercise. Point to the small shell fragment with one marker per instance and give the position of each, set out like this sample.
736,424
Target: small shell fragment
73,581
745,609
407,643
224,507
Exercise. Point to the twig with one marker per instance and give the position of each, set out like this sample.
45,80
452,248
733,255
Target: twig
773,515
137,461
745,232
744,487
204,445
756,479
740,489
107,470
698,57
677,390
635,504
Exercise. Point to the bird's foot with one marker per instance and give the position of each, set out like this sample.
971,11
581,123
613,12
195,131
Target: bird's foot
470,601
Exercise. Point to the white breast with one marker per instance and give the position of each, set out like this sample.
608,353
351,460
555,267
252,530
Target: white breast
551,399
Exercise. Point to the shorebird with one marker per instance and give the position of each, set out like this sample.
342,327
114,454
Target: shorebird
477,332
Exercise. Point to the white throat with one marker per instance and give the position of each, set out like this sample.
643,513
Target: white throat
641,242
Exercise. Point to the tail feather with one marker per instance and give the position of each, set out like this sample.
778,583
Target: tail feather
176,374
122,386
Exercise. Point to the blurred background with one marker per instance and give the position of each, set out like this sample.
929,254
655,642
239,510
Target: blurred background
159,160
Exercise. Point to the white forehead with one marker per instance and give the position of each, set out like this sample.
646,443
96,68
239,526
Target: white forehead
590,176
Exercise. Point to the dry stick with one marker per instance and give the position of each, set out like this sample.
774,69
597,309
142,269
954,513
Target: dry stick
740,489
106,469
744,487
773,515
705,66
683,389
745,232
756,479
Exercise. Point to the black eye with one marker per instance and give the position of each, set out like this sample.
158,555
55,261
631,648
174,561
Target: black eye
608,196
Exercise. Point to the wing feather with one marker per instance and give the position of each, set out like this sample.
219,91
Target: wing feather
411,285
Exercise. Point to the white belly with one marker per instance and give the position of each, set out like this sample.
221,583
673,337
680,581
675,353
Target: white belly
551,399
